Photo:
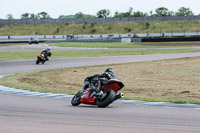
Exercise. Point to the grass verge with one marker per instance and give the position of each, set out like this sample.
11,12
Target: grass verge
128,45
21,55
174,80
101,45
89,45
9,44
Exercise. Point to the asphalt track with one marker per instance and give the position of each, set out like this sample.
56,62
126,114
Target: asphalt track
22,114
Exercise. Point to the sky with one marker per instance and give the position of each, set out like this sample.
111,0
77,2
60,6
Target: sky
55,8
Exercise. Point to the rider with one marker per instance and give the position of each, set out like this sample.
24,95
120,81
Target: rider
109,73
46,53
99,80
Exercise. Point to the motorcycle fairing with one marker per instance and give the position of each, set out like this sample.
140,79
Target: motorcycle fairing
86,99
41,56
114,84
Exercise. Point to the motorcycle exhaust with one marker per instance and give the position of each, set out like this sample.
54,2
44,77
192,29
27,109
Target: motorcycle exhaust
119,96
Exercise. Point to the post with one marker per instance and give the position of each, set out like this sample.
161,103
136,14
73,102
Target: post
160,32
171,33
184,33
147,33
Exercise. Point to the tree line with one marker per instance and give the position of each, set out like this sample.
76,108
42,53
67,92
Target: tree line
41,15
159,12
104,13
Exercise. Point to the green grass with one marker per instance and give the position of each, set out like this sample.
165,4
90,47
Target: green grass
110,45
24,55
101,45
123,45
90,45
102,28
8,44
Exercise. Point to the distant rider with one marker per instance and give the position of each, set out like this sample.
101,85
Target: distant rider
47,52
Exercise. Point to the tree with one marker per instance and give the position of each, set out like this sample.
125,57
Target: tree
79,15
184,12
139,14
33,16
171,13
104,13
162,11
151,13
25,16
43,15
9,16
130,11
124,14
116,14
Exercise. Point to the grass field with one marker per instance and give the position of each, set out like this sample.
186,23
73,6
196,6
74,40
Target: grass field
174,80
119,45
99,45
89,45
23,55
9,44
102,28
116,44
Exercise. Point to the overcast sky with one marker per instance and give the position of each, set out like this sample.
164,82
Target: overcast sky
55,8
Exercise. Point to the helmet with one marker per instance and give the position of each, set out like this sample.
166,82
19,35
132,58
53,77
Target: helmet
108,70
110,73
48,49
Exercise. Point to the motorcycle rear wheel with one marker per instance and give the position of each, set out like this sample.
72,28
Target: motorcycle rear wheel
76,100
108,99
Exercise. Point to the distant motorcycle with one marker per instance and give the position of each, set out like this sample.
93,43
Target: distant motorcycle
41,58
103,98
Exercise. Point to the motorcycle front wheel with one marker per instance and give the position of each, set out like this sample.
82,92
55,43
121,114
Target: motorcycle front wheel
37,61
108,99
76,100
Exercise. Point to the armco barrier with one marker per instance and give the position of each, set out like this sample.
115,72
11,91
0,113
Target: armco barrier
96,40
88,40
171,39
156,39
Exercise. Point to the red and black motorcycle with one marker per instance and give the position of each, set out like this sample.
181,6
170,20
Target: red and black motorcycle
106,95
40,58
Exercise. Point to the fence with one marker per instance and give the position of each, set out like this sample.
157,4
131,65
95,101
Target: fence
94,20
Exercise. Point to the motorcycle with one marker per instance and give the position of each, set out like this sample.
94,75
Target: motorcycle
40,58
103,98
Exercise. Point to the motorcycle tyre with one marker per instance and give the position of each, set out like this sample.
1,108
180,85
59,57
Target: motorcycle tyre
37,61
107,100
78,101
